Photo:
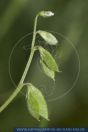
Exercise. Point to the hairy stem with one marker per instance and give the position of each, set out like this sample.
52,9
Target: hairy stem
20,86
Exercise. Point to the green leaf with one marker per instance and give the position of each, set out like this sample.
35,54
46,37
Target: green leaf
36,103
47,71
46,13
48,59
48,37
33,106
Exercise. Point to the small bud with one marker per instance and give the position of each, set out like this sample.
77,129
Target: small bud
46,14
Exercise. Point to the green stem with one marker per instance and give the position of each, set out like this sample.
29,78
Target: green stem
20,86
32,52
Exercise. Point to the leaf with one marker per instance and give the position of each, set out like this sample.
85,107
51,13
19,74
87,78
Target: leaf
48,59
48,37
47,71
33,106
36,103
46,13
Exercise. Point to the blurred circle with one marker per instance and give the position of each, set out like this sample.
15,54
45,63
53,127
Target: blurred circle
66,56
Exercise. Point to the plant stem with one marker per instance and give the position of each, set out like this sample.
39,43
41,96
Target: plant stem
20,85
31,54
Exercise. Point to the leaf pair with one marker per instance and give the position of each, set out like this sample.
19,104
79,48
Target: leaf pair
48,63
36,103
